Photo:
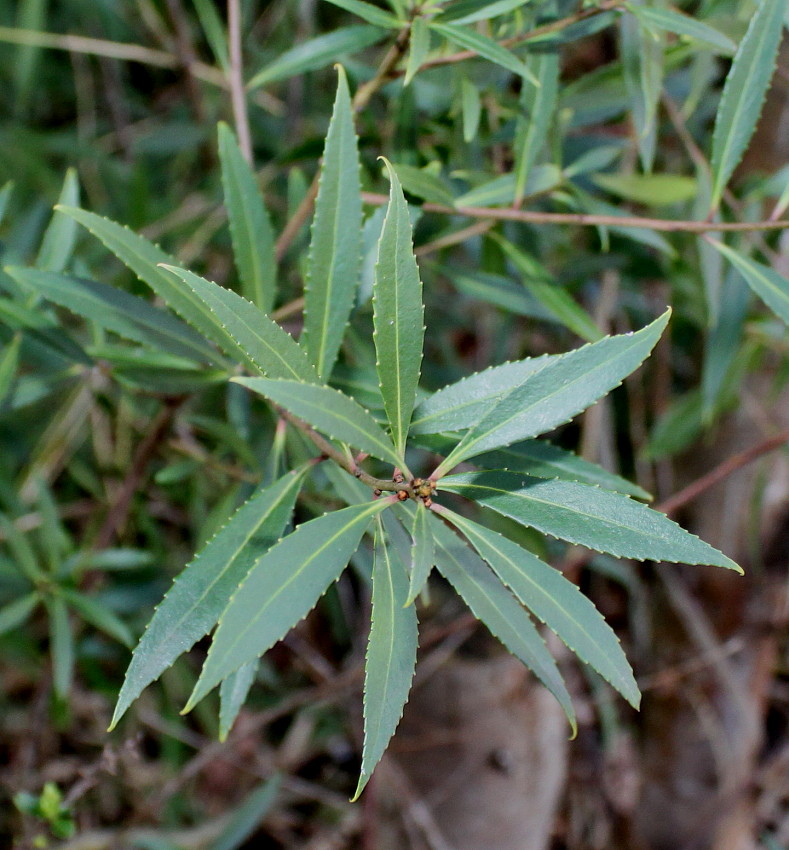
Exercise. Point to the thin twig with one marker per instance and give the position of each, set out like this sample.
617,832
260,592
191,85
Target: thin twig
235,78
116,516
537,32
723,470
329,451
586,219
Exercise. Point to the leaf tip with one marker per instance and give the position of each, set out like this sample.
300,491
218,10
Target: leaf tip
363,779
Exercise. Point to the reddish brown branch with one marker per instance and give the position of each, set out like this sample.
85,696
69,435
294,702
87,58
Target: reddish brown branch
723,470
584,219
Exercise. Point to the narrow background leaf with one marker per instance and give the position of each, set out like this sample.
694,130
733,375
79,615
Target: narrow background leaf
744,92
250,226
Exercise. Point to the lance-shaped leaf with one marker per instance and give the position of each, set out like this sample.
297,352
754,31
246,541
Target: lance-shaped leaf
200,593
556,602
237,325
61,233
559,391
329,411
767,283
492,604
371,14
391,656
250,226
61,645
317,53
460,405
539,104
281,589
422,553
744,92
671,20
233,693
336,249
115,310
398,314
146,259
487,48
470,13
598,519
418,47
544,460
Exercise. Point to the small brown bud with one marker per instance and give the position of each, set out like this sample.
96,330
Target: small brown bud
376,492
402,495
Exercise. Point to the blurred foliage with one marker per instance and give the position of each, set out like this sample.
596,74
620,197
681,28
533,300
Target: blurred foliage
120,459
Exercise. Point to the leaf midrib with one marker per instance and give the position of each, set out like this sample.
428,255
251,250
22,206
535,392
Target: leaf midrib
375,506
471,531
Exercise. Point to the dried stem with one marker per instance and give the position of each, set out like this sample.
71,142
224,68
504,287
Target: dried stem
236,79
585,219
339,457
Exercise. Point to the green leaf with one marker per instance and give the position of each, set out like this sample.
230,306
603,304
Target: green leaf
233,693
418,48
492,604
601,520
9,364
61,645
317,53
21,551
336,250
471,109
744,92
677,427
768,284
391,656
281,589
538,102
250,226
556,602
214,31
100,616
329,411
460,405
200,593
544,460
650,189
471,11
245,819
485,47
398,315
643,66
559,391
16,613
676,22
115,310
551,295
422,553
5,197
145,260
423,184
59,237
501,189
371,14
238,326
